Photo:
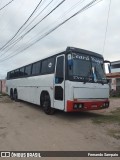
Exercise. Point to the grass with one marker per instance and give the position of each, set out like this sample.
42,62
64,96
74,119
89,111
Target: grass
3,94
4,98
114,117
114,133
115,96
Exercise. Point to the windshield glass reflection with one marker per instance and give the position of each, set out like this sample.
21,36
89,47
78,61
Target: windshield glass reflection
87,68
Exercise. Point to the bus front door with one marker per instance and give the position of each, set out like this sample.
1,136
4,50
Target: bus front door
59,83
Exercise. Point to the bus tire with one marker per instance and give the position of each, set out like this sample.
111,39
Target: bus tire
15,96
46,104
11,94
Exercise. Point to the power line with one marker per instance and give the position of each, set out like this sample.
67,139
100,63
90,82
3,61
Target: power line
53,29
43,36
81,10
6,5
62,16
66,11
16,41
37,16
106,27
22,25
21,31
12,43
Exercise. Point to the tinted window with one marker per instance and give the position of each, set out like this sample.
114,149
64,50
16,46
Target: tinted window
12,74
58,93
44,67
8,75
48,66
21,73
16,73
28,70
36,68
59,70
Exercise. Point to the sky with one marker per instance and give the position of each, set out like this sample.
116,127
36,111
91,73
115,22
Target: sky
86,30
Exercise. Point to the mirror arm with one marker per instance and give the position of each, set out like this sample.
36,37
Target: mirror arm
106,61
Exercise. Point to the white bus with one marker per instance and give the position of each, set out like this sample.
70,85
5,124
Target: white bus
72,81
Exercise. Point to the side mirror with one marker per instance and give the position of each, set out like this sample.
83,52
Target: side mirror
107,66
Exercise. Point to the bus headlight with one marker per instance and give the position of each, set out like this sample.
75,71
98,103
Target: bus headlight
75,106
78,106
106,104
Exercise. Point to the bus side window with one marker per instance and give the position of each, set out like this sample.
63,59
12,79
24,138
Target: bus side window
11,74
8,75
28,70
21,73
48,66
44,67
36,68
16,73
51,65
59,76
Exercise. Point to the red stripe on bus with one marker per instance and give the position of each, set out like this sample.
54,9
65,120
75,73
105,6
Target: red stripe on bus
89,105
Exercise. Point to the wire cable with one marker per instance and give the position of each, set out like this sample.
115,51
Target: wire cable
53,29
22,25
6,5
106,27
36,16
20,32
43,36
16,41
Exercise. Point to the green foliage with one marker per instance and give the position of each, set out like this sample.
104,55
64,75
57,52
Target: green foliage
114,117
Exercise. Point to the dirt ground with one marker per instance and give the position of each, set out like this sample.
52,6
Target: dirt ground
25,126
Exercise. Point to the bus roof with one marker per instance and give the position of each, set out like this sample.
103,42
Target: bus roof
83,51
68,49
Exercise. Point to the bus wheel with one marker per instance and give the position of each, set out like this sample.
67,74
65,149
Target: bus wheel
47,106
16,96
11,94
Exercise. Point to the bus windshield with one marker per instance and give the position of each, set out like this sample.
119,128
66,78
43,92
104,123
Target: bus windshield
86,68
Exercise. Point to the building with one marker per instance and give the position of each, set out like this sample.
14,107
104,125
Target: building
115,66
114,77
2,86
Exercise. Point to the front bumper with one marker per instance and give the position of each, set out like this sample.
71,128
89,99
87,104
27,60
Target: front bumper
84,105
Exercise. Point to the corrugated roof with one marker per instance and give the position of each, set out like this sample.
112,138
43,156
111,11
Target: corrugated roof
115,62
113,75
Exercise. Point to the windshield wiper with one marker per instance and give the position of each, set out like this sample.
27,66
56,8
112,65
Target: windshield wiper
101,80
